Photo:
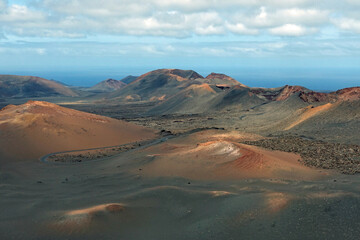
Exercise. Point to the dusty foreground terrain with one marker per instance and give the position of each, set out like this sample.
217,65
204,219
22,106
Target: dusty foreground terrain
200,185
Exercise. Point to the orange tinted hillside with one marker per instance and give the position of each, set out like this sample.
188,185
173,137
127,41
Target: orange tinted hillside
36,128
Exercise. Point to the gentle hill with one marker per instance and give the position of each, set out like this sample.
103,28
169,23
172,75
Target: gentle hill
108,85
29,86
37,128
211,155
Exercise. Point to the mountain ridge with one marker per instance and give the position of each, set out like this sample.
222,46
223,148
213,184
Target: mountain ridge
31,86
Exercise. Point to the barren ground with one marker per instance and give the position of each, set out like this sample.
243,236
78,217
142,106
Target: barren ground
207,181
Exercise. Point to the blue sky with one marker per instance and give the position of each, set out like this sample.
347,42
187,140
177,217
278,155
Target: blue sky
267,42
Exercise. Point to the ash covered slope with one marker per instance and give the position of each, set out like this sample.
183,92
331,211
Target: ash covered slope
37,128
338,121
29,86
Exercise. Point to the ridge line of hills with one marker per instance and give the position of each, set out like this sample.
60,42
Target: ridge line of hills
31,86
173,91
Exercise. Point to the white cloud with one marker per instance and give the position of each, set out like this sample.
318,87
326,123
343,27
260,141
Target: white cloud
290,30
240,28
174,18
303,16
20,13
289,3
348,24
261,19
265,18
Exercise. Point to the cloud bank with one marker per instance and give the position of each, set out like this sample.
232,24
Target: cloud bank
75,32
176,18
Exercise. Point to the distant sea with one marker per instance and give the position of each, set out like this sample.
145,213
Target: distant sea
315,79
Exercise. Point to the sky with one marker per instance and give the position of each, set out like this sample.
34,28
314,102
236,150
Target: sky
315,43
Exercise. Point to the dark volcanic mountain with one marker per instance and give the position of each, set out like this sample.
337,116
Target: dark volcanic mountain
156,85
163,84
29,86
185,91
217,97
129,79
108,85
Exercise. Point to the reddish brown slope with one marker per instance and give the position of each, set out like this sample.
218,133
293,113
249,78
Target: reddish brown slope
36,128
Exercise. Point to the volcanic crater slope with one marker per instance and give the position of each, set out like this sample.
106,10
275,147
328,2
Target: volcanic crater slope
39,128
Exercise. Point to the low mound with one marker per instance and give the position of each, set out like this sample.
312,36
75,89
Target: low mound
81,219
223,159
277,201
91,211
37,128
29,86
